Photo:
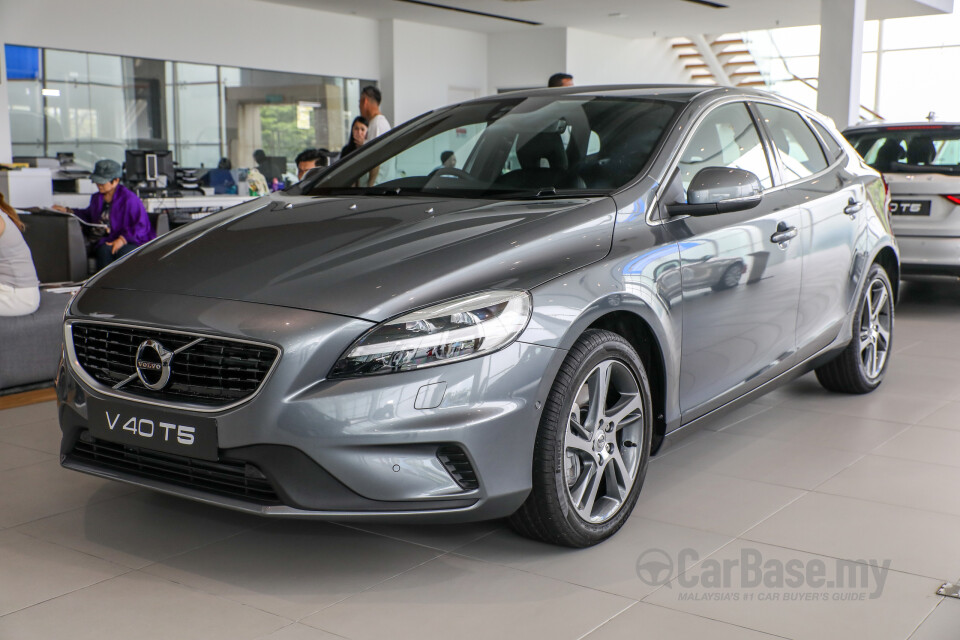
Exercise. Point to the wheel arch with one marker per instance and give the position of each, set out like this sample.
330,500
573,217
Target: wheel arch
887,258
643,339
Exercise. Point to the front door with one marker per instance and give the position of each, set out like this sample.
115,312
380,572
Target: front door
740,272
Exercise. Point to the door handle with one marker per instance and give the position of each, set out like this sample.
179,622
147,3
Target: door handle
783,234
853,207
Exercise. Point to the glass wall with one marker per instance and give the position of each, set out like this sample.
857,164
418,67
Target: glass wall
98,106
905,72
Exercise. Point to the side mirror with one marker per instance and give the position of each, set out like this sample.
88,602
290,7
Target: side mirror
719,190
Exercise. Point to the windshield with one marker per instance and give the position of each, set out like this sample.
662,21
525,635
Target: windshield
910,149
513,147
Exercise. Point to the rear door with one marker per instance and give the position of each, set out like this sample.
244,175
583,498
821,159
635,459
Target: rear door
832,206
740,288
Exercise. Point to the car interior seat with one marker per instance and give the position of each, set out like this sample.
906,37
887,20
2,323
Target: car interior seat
888,155
921,150
543,164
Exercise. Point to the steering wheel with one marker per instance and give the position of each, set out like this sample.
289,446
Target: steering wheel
451,171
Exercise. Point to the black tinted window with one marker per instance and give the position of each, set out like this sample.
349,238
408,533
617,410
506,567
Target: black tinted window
800,153
920,149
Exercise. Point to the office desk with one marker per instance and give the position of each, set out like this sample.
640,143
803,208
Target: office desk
180,210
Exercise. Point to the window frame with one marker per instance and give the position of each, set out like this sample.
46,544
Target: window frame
823,143
655,217
806,119
753,119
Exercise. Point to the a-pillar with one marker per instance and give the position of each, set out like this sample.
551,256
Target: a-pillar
841,55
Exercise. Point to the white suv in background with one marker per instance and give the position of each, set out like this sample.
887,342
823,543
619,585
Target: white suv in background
921,164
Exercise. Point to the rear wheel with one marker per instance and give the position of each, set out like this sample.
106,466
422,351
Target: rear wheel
592,446
861,366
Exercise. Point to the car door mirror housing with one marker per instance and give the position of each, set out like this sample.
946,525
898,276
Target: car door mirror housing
720,190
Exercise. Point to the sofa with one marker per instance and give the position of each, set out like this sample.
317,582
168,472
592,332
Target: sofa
58,247
56,242
30,345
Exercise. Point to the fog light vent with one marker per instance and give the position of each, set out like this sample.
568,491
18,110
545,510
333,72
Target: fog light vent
457,464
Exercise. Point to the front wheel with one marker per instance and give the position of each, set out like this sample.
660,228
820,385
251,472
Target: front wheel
861,366
592,446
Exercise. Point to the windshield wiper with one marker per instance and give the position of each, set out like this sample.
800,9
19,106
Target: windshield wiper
546,192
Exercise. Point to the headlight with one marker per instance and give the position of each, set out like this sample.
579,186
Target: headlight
447,332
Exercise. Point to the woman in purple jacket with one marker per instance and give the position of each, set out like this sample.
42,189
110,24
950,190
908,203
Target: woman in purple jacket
127,224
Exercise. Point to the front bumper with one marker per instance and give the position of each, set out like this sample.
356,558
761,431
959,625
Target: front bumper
355,449
929,255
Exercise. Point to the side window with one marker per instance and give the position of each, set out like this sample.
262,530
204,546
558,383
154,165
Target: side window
593,146
799,150
727,137
834,150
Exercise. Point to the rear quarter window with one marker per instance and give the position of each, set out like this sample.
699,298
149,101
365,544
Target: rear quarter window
834,150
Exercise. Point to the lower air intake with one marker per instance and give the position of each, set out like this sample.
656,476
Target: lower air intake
458,465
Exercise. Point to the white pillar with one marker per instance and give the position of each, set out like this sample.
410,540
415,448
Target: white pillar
388,70
6,144
841,57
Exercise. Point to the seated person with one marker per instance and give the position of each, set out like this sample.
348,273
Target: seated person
19,290
308,159
127,225
221,178
447,161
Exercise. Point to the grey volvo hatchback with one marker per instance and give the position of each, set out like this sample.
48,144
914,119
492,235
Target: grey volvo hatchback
512,336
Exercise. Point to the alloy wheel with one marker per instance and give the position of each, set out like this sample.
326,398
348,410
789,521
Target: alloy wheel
601,443
876,326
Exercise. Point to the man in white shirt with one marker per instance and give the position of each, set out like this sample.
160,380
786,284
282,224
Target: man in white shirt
377,125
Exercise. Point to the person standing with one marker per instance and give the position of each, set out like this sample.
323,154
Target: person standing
19,287
560,80
377,125
358,135
126,223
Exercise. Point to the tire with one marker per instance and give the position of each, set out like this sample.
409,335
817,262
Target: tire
573,462
860,367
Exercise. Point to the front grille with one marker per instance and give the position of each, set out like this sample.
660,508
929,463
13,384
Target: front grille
457,464
231,478
214,372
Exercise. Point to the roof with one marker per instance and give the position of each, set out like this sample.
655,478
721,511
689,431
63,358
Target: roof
685,92
925,124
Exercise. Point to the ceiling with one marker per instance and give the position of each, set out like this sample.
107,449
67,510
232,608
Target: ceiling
625,18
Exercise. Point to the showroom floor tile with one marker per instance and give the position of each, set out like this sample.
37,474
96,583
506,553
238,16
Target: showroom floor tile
293,568
469,599
913,540
610,567
904,483
802,612
797,480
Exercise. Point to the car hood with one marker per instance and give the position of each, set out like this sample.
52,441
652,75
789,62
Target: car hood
369,257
